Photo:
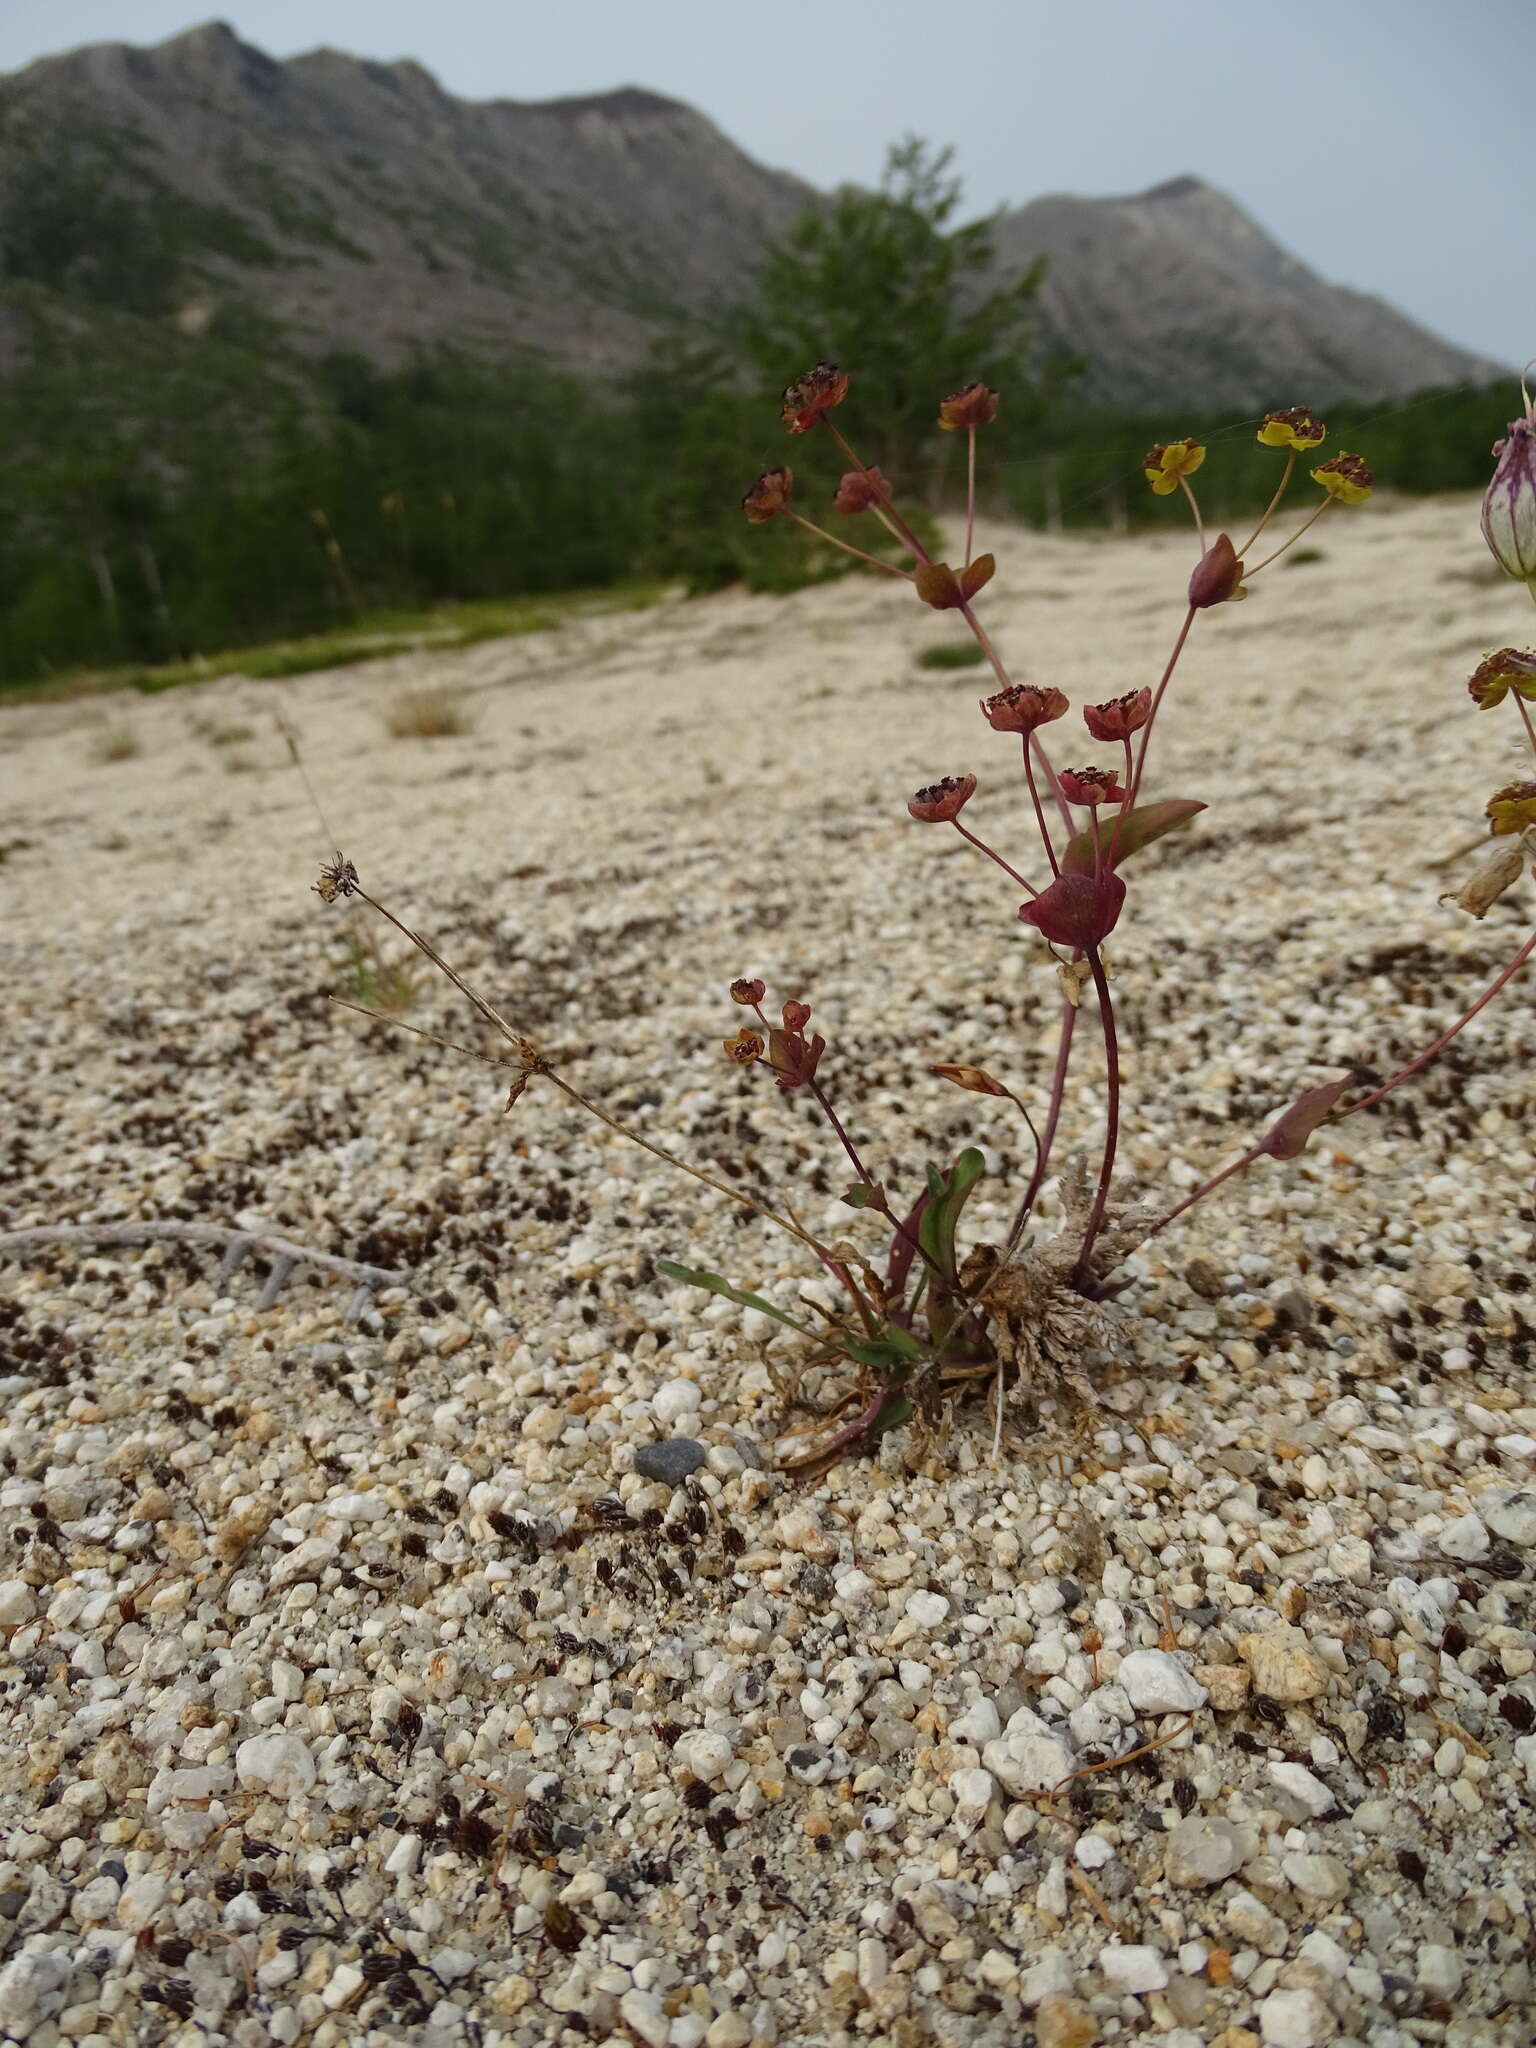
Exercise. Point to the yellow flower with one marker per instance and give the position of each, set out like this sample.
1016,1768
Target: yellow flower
1170,460
1297,428
1345,477
1512,808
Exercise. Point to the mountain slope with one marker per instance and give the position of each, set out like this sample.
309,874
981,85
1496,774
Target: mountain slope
360,206
327,202
1176,296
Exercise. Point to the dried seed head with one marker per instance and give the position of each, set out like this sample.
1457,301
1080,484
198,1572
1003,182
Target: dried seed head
1022,707
1298,428
1344,477
943,800
770,494
1164,464
861,489
973,1079
975,406
744,1048
337,878
811,395
747,992
1499,872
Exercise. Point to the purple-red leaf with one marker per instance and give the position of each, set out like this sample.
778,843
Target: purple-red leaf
1076,910
1288,1135
1145,823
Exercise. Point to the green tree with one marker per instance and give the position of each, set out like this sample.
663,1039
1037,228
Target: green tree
889,286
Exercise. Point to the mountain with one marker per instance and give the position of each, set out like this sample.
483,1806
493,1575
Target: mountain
359,206
326,202
1176,296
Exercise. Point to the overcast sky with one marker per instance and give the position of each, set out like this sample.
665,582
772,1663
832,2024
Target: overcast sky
1391,144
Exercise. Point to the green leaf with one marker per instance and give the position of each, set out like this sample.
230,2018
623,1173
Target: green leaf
713,1284
1145,823
859,1196
936,1232
892,1415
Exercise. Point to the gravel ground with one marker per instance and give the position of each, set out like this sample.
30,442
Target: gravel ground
343,1702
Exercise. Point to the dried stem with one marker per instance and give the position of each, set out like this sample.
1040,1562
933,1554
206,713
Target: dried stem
1112,1127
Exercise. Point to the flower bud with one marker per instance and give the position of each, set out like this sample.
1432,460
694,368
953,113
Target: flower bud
943,800
1218,575
860,490
1076,910
811,395
975,406
768,495
1120,717
1509,507
796,1016
1023,707
974,1079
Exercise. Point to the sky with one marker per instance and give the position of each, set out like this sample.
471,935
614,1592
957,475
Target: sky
1390,144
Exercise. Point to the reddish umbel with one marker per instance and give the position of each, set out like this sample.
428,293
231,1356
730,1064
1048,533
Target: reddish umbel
793,1058
1090,786
861,490
811,395
1497,674
944,800
768,495
1120,717
975,406
1077,910
1509,507
1218,575
747,993
1023,708
938,584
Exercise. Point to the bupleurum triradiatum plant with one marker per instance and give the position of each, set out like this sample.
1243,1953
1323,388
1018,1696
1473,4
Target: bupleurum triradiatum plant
932,1318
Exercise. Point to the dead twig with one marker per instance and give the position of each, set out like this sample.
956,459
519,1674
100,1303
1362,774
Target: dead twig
282,1254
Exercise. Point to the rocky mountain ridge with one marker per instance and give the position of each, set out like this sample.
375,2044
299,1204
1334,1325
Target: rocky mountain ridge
340,203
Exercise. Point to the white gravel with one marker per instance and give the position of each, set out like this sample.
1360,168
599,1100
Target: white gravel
335,1708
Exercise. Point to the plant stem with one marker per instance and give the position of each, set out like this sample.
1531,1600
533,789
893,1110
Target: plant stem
1257,1150
1445,1037
970,494
1273,505
983,641
847,547
906,532
1311,520
1047,1137
1530,730
1034,795
1112,1127
1194,506
879,1201
1157,697
981,846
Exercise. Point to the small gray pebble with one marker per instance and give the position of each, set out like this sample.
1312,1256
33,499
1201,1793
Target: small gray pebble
670,1462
